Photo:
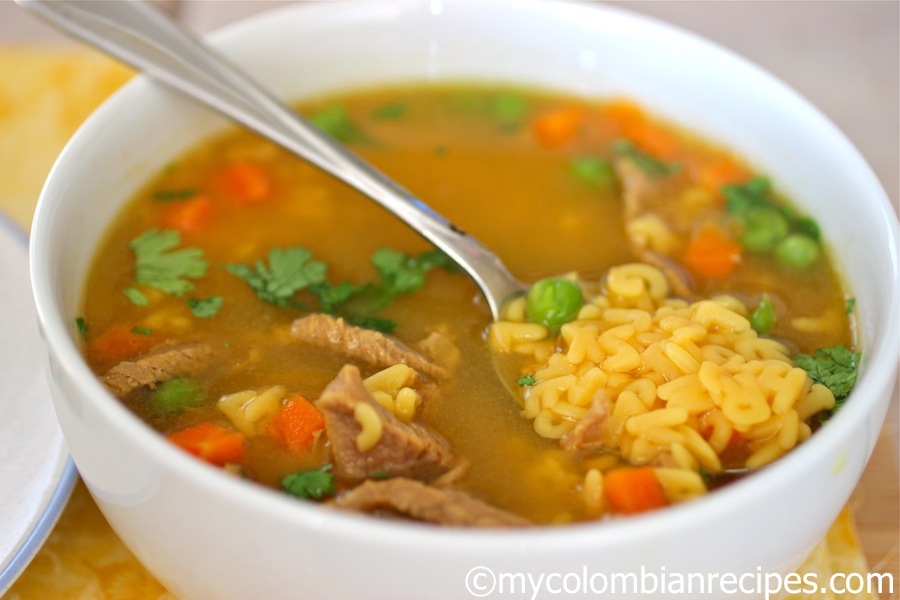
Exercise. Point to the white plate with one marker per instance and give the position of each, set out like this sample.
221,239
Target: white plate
36,473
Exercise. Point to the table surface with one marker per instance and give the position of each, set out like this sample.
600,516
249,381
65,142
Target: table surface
843,56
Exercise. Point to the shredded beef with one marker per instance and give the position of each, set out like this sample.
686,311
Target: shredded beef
421,502
162,364
638,190
592,430
373,348
404,449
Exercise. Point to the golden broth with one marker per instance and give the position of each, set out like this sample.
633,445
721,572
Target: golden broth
477,163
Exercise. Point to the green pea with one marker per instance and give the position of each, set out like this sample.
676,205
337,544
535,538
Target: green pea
762,320
798,251
554,302
764,228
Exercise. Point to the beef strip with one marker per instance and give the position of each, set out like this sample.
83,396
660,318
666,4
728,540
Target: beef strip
638,189
592,430
680,281
374,348
161,364
418,501
404,449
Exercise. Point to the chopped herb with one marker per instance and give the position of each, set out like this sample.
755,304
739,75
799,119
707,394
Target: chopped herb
332,296
398,274
741,197
762,320
142,330
335,121
292,269
851,304
82,327
289,271
175,395
650,165
594,171
526,380
310,485
204,308
169,195
158,264
380,475
769,227
375,323
390,112
136,296
834,367
226,345
807,226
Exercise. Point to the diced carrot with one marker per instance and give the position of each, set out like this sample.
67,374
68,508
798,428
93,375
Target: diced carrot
189,216
556,127
715,175
633,490
117,343
297,424
711,252
652,139
210,442
631,123
246,182
624,114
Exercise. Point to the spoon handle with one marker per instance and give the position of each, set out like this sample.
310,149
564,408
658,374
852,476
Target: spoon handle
149,40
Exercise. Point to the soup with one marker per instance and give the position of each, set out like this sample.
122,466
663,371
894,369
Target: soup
685,326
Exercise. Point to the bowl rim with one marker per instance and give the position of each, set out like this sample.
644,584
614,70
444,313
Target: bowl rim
874,376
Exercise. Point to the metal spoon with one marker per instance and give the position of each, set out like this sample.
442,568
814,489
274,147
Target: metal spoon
149,40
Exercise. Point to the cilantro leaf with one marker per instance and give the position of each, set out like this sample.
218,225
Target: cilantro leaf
142,330
375,323
159,264
336,122
292,269
741,197
204,308
834,367
174,395
177,194
400,273
390,112
82,327
289,271
650,165
332,296
310,485
526,380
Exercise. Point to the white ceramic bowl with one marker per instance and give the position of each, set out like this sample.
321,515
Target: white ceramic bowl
206,535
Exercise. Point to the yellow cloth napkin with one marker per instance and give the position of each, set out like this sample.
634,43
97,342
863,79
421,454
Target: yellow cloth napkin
45,94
